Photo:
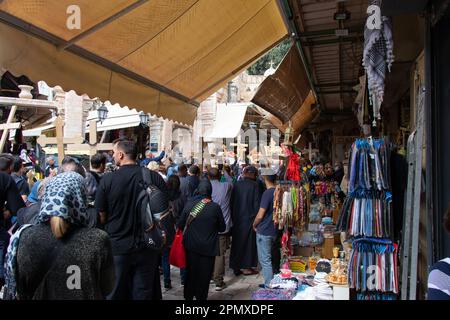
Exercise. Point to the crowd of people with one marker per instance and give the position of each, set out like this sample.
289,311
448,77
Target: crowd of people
74,234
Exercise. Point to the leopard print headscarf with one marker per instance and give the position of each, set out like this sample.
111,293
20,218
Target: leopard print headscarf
65,197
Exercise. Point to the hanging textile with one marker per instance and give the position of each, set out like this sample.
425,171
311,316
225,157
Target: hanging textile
369,165
373,266
378,52
367,214
293,168
290,205
367,217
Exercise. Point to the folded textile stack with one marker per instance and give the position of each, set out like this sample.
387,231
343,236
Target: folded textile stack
297,265
323,292
274,294
320,278
306,294
319,292
283,283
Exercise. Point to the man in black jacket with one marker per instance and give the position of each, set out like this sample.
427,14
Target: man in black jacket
201,240
137,275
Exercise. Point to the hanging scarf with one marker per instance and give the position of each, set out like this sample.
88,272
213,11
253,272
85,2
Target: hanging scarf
378,54
293,168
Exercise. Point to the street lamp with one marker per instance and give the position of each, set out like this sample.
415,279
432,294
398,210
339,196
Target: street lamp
102,113
144,118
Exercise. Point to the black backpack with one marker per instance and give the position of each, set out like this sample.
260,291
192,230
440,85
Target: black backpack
152,208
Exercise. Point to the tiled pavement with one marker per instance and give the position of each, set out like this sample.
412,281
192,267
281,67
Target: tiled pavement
237,287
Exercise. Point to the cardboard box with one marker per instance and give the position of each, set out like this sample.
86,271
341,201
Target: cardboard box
303,251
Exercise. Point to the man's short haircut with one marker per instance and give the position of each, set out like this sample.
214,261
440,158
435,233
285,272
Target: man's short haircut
127,146
6,161
214,174
97,160
182,169
17,164
194,170
271,178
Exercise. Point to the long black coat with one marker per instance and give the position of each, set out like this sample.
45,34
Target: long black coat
245,200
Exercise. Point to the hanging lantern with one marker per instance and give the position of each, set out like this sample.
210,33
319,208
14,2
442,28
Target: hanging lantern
102,113
289,135
144,118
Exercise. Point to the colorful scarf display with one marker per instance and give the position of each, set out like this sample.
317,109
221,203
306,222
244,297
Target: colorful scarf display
369,165
290,205
367,214
367,217
373,266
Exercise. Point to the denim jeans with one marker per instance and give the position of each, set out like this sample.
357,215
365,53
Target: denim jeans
166,267
264,246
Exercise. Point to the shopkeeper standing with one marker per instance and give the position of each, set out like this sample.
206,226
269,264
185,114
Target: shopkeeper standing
265,228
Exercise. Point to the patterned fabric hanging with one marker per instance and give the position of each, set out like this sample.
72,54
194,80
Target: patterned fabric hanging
290,206
373,266
378,54
367,217
378,49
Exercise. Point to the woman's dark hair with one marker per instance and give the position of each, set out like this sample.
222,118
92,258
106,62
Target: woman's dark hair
447,220
126,146
173,186
204,189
